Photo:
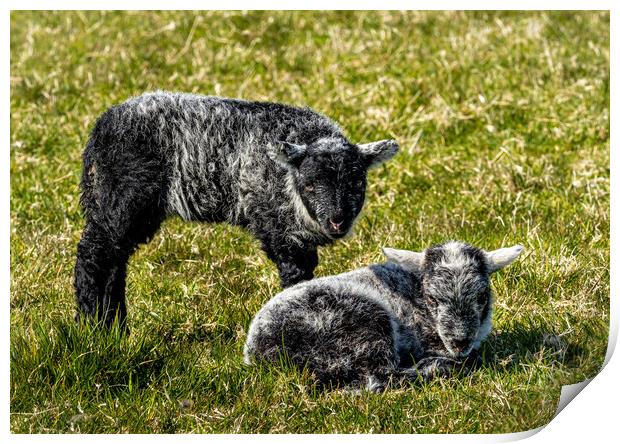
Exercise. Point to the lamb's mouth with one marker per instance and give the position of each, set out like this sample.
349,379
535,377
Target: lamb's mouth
454,351
335,233
458,354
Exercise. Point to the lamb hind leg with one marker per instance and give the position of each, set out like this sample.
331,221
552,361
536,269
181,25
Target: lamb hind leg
100,277
102,257
101,266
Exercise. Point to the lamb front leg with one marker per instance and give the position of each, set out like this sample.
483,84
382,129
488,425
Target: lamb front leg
443,367
294,264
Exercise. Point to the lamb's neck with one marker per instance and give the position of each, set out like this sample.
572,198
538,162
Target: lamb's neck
301,214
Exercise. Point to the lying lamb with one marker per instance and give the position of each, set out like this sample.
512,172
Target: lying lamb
418,315
286,174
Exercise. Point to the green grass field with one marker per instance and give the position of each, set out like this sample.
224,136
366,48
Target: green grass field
503,122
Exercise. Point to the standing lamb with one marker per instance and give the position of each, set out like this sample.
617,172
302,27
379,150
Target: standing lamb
418,315
286,174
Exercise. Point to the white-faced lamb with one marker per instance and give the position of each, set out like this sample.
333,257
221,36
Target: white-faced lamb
420,315
286,174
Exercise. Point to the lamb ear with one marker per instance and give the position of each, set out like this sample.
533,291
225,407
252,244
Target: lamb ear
287,154
409,260
502,257
376,153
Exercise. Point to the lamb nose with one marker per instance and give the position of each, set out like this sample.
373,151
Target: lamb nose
336,223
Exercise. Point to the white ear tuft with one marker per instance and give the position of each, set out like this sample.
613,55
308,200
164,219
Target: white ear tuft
287,154
502,257
409,260
376,153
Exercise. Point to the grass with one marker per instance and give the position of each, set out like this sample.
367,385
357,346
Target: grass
503,120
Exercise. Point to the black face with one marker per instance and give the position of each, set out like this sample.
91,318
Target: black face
332,186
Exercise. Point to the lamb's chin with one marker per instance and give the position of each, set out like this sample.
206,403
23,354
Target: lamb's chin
338,235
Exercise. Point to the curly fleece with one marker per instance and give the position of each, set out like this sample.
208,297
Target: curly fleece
213,159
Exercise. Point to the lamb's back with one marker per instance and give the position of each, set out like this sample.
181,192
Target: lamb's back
230,123
216,149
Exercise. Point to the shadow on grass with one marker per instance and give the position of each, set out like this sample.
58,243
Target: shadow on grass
83,357
522,344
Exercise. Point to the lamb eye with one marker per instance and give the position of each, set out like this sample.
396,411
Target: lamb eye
482,298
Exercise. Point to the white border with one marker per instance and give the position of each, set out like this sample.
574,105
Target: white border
593,417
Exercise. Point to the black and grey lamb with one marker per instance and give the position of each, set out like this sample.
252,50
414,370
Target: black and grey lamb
420,315
288,175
